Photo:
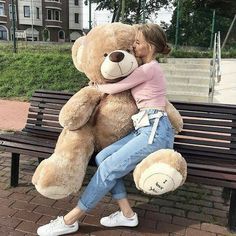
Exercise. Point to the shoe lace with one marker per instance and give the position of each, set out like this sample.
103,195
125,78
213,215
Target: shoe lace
113,215
58,220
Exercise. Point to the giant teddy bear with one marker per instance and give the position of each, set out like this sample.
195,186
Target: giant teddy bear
91,120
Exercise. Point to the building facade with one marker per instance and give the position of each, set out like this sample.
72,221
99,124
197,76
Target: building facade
42,20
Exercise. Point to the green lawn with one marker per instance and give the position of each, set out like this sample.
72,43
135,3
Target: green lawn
27,70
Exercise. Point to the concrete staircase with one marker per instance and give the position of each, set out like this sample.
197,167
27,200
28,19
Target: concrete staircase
187,79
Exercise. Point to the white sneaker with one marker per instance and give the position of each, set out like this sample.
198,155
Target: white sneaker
57,227
118,219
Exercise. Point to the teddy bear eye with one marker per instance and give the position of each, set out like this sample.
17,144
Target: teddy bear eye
128,50
105,54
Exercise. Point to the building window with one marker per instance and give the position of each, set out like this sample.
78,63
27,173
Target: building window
46,35
2,9
3,33
76,17
53,14
61,34
76,2
26,11
37,12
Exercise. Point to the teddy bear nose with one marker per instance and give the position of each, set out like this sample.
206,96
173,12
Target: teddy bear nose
116,56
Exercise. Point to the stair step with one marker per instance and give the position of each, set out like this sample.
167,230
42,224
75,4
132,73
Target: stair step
183,71
187,79
186,60
180,87
172,66
188,98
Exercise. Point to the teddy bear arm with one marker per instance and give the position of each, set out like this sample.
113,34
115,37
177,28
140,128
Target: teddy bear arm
77,111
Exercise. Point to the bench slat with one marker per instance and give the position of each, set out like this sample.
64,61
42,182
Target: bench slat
209,135
43,117
207,115
31,153
209,129
205,153
51,96
40,92
212,168
45,124
33,110
47,100
24,138
41,133
214,182
209,122
212,174
208,107
26,146
205,143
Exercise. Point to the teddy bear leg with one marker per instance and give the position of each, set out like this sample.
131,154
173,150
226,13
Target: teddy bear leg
160,172
63,172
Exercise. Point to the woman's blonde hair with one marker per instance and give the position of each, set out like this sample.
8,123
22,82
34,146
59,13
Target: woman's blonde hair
156,36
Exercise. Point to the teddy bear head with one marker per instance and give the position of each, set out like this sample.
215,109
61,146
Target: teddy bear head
98,53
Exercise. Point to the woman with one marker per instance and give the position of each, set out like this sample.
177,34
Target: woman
153,131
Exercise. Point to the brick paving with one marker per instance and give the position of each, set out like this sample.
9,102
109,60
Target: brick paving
191,210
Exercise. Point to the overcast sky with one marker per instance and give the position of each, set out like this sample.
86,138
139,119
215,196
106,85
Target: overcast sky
101,17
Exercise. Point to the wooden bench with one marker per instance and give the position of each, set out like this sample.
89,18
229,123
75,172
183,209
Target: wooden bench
207,142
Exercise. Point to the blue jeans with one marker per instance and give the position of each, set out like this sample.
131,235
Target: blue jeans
120,158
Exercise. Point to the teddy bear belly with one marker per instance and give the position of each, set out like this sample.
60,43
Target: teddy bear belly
113,120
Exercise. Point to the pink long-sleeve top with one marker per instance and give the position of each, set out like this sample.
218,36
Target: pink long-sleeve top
147,84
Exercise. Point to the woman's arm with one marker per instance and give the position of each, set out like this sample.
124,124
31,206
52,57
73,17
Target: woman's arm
138,76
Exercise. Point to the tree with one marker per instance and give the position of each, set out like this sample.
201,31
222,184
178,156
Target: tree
196,22
133,8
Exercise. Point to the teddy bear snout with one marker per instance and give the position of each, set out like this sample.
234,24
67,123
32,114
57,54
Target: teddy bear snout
116,56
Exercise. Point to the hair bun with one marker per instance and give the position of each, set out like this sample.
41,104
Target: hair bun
166,49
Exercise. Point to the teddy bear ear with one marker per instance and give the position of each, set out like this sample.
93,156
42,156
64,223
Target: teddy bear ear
77,52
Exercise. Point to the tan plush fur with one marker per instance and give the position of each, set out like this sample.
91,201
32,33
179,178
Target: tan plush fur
91,120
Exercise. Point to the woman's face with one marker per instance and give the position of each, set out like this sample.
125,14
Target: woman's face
140,46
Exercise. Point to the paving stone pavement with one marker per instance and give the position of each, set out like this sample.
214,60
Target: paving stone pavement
192,210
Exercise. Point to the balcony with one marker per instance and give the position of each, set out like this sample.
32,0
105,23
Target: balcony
53,4
53,24
3,19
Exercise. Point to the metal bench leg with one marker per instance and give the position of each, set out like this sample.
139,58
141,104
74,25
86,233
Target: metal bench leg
15,159
232,211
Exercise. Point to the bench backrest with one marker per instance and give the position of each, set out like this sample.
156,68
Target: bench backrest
208,140
43,113
208,128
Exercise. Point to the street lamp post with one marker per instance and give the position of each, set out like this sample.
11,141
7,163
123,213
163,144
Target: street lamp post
143,7
177,25
13,25
32,16
123,11
90,15
212,28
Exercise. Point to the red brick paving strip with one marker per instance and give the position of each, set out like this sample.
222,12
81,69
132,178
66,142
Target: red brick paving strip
13,114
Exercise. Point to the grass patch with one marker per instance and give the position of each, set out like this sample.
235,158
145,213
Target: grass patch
24,72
